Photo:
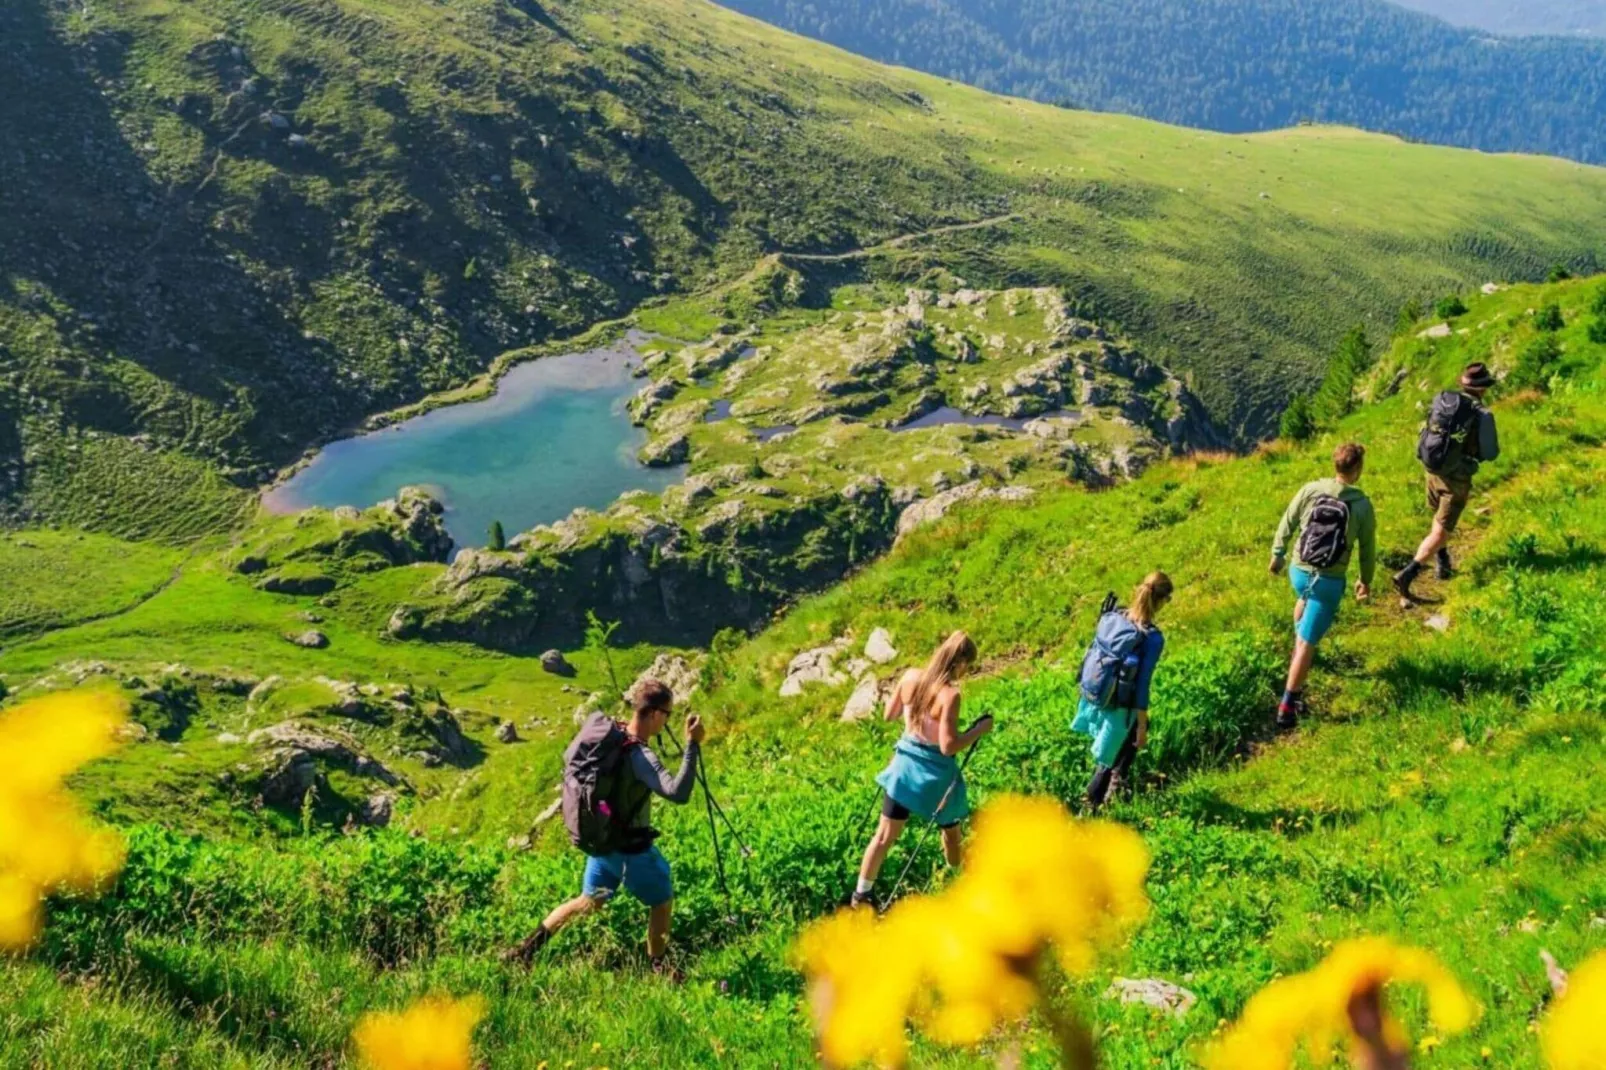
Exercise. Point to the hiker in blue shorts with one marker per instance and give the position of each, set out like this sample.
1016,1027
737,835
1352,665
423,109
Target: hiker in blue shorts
1330,517
923,777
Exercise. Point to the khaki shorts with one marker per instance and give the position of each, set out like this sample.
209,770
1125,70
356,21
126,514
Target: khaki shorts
1447,499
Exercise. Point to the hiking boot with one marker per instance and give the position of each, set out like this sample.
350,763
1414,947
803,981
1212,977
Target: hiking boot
864,899
1441,567
1404,578
1287,721
525,953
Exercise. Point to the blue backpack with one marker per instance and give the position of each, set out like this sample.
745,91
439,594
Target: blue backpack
1111,665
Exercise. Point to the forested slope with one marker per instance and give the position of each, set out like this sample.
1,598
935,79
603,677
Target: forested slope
235,228
1520,16
1242,64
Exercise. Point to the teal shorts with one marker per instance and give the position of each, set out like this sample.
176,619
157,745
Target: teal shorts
1321,595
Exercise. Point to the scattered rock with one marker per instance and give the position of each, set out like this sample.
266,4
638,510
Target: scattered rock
666,452
262,690
1438,330
228,738
376,810
817,666
250,564
506,732
1438,622
312,639
878,648
867,699
1161,995
297,583
555,663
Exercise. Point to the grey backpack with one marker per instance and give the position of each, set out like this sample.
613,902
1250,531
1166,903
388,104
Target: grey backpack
601,797
1110,666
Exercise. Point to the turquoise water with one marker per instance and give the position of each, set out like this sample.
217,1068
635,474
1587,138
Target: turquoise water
554,437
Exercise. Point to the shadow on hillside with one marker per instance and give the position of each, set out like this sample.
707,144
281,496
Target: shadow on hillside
1449,676
198,989
1579,557
1210,808
124,269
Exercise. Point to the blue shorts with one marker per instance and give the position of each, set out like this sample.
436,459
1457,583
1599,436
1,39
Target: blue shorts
644,875
1321,594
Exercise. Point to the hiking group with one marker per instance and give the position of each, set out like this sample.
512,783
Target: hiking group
611,774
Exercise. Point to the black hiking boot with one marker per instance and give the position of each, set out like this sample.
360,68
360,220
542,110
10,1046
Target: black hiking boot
864,899
525,953
1442,567
1404,578
1289,713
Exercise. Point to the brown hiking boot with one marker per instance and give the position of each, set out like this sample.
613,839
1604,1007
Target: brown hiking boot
525,953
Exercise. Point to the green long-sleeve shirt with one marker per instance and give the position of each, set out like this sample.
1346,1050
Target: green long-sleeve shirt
1362,525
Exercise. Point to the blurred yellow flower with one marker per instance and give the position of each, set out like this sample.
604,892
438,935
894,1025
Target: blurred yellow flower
1314,1007
1573,1035
961,962
46,842
435,1033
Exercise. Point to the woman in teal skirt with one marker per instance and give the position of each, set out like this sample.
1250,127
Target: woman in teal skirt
923,777
1118,734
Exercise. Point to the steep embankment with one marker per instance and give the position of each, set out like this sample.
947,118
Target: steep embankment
1442,793
235,227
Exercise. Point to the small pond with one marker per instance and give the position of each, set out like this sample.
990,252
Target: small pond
555,436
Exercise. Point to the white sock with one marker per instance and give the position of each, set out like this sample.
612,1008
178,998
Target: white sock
863,887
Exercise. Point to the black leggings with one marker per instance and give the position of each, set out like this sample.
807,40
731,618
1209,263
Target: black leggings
1098,789
893,810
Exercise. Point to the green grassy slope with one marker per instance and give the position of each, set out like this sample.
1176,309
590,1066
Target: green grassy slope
1441,795
237,226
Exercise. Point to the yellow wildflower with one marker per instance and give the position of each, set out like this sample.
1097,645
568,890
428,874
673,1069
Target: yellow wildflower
961,962
435,1033
1572,1036
46,843
1314,1007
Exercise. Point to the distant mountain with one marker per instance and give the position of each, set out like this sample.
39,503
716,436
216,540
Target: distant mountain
1520,16
1242,65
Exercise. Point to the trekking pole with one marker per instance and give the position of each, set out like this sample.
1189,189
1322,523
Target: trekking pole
714,803
925,832
712,807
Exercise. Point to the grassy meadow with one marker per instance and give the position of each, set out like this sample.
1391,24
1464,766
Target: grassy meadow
1442,794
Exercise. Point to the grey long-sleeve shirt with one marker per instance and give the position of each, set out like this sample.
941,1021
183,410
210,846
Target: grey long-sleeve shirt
647,769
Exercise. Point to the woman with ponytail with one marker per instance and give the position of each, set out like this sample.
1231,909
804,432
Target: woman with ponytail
1120,727
924,777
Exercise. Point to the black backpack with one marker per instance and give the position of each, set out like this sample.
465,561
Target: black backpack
1326,536
1448,430
601,797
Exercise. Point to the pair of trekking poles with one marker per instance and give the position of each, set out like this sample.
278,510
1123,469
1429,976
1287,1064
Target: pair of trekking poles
716,817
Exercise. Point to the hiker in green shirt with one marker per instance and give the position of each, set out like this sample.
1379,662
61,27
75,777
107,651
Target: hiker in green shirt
1330,518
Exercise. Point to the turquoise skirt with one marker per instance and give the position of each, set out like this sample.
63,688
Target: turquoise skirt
918,777
1109,729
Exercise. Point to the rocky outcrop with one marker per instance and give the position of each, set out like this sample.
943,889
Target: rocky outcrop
555,663
933,509
666,452
878,648
290,764
674,672
311,639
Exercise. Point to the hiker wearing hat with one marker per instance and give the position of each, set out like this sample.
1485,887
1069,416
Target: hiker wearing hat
1459,435
923,777
1331,517
609,778
1116,673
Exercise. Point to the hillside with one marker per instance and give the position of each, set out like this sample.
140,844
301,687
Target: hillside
1240,65
1442,794
1527,16
237,228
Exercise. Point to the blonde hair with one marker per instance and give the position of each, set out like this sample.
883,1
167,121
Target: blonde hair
957,653
1150,595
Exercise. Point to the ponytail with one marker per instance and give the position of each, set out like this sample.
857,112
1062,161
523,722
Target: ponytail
1150,595
957,653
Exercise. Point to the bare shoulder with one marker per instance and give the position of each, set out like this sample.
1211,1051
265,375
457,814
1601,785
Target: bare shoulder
909,681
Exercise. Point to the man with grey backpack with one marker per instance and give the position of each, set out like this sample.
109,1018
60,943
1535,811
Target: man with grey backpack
1331,518
1458,436
609,778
